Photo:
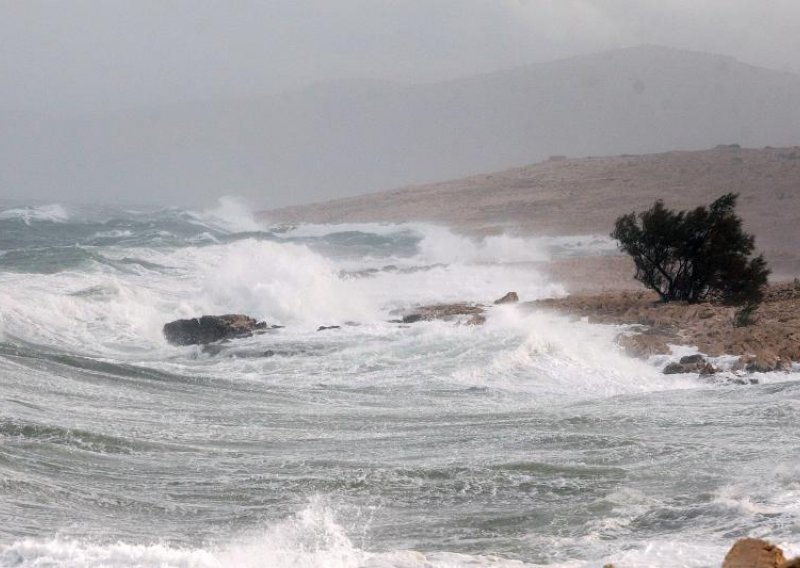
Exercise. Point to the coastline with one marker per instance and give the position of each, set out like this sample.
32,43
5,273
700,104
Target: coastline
770,343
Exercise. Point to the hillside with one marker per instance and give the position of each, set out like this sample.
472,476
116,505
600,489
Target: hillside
579,196
352,137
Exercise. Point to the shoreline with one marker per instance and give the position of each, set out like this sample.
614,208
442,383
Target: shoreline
770,343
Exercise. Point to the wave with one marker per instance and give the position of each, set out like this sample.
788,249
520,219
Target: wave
75,438
313,537
231,214
53,213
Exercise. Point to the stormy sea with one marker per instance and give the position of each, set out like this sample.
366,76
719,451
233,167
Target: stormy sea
530,440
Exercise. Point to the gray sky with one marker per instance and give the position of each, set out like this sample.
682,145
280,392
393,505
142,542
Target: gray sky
68,55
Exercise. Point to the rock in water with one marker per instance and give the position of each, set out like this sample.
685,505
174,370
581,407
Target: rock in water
691,364
753,553
207,329
445,312
510,298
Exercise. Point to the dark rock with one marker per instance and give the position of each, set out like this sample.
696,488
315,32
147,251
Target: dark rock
691,364
707,369
208,329
442,312
509,298
674,369
324,327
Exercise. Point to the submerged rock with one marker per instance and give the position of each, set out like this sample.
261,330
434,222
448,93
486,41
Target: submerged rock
754,553
208,329
510,298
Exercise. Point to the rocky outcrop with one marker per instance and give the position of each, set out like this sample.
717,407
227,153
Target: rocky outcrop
446,312
754,553
691,364
208,329
765,362
510,298
770,343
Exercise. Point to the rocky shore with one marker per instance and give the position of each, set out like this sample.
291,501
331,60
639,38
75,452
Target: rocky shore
769,342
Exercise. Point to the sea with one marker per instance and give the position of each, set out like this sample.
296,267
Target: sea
530,440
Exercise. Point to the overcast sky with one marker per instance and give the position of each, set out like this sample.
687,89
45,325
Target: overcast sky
67,55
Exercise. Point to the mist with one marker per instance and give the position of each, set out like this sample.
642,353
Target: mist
289,102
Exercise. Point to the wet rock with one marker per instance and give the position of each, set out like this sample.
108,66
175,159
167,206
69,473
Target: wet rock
764,362
444,312
326,327
690,364
692,359
707,369
645,344
674,369
208,329
754,553
476,319
509,298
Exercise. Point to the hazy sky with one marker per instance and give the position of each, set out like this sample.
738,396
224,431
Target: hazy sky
71,55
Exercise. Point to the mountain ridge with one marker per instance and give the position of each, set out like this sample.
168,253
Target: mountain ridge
353,137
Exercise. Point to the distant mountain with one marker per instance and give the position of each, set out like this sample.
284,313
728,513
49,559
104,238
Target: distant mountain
351,137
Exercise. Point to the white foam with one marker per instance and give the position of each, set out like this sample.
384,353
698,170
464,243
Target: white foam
563,359
54,213
442,245
310,539
317,230
231,214
113,234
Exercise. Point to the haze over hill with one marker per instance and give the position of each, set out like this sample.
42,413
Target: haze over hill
351,137
585,195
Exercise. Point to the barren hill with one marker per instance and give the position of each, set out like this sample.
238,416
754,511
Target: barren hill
579,196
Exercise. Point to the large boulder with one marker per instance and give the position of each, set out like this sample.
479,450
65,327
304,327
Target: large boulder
754,553
207,329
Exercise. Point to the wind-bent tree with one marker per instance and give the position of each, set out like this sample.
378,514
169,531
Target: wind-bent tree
694,256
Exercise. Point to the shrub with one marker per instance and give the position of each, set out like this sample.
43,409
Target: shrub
696,255
745,315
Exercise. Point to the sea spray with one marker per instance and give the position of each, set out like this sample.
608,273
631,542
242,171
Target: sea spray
529,440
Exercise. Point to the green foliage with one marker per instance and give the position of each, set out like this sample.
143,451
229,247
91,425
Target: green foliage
696,255
744,316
